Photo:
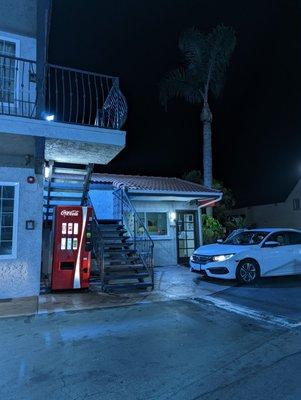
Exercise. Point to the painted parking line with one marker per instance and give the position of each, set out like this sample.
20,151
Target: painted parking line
249,312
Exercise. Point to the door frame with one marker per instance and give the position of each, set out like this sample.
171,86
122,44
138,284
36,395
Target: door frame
181,260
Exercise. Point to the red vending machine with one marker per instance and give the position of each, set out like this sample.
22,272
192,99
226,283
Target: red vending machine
71,247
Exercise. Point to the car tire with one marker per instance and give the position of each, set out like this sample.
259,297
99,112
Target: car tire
247,271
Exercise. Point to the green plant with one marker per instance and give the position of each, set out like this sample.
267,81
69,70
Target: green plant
212,229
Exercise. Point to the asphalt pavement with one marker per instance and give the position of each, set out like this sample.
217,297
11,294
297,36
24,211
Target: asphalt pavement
167,350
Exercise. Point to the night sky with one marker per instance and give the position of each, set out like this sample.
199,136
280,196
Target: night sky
257,120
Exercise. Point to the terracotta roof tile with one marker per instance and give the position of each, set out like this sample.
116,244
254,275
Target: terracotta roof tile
151,183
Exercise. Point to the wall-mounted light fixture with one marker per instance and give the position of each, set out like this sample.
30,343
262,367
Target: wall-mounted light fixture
46,172
172,217
47,116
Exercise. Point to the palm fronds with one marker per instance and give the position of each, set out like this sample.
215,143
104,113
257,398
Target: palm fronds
205,60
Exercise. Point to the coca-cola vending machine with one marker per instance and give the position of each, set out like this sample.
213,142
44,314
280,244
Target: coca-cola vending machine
71,257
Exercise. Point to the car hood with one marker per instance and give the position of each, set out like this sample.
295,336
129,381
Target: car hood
217,249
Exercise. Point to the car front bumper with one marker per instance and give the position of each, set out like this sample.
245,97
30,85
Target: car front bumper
221,270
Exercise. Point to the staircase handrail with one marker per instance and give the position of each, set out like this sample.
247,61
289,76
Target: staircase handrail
98,244
143,243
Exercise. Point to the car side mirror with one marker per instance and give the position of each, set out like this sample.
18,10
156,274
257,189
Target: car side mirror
219,241
271,243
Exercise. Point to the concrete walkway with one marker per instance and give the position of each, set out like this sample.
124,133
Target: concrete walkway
174,282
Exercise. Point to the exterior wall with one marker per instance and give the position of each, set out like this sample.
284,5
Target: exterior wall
274,215
19,16
165,247
27,44
21,276
103,204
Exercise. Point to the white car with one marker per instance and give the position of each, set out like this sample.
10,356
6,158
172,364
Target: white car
251,254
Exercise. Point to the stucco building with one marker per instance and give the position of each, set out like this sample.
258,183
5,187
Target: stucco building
286,213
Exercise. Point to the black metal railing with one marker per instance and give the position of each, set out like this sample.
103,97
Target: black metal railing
69,95
81,97
124,210
18,88
98,247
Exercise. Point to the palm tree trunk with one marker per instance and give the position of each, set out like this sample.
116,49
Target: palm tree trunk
206,118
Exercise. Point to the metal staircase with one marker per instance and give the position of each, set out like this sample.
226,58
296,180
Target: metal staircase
122,247
121,265
65,184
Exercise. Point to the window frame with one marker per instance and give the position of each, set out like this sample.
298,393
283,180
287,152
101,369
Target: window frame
17,55
297,202
13,254
268,238
154,236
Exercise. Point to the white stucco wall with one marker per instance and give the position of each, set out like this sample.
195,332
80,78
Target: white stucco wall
21,276
103,203
27,45
165,247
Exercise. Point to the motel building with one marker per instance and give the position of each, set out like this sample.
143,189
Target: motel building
60,223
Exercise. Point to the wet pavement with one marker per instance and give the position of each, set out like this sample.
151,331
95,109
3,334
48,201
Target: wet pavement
172,350
172,282
177,342
269,299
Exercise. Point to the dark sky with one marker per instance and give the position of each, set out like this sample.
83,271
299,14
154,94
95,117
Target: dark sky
257,120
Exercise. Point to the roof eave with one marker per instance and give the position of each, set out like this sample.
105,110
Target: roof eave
174,193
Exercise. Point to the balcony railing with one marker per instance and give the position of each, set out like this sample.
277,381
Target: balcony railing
70,95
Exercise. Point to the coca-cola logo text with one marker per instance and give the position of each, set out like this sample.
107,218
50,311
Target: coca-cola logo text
71,213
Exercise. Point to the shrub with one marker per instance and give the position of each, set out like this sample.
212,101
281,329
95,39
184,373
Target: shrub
212,229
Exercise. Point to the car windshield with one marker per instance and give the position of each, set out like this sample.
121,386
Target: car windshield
246,238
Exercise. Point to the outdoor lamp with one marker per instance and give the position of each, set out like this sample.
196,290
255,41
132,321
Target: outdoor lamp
173,217
46,172
47,116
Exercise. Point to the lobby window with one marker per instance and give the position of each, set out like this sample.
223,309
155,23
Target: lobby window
7,219
155,223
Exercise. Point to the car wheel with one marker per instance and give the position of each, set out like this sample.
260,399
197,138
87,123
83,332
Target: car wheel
247,271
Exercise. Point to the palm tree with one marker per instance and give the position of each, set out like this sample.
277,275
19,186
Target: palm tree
206,58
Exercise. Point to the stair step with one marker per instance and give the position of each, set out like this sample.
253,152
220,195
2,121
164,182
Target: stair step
116,238
119,243
118,235
120,251
113,247
71,171
137,275
126,286
125,267
63,189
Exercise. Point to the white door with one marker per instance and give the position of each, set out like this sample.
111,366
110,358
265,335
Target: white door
280,260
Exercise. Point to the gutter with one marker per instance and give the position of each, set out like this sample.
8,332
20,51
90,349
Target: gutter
208,203
180,194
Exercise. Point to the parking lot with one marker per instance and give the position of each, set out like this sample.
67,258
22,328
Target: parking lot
277,300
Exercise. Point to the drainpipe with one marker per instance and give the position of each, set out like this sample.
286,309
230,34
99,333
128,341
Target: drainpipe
208,203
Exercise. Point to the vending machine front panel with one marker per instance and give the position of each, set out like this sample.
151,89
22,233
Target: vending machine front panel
71,256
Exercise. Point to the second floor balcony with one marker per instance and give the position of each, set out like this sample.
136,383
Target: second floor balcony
79,114
67,95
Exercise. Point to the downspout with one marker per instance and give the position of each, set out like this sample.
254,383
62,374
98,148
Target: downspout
208,203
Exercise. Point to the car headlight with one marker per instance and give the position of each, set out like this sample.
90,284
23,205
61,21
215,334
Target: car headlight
222,257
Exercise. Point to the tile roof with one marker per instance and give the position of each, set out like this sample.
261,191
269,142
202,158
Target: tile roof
151,183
